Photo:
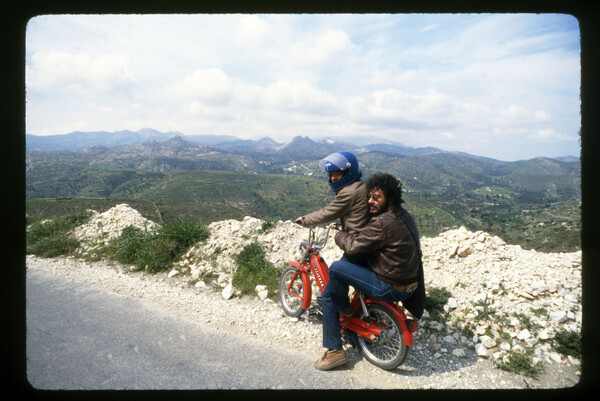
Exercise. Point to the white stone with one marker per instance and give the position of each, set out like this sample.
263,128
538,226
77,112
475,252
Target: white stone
555,357
228,291
449,339
481,351
452,303
459,352
487,341
558,316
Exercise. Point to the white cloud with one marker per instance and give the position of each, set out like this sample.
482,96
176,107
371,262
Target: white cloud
298,96
389,78
252,29
210,85
51,69
549,134
332,45
426,80
391,106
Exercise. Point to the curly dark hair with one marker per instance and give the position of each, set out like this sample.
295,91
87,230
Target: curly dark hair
389,185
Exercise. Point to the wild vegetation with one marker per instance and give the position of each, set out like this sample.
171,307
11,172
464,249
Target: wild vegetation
534,203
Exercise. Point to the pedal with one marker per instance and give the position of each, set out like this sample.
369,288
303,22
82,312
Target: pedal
319,298
315,310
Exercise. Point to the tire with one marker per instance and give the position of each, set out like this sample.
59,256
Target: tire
292,305
389,351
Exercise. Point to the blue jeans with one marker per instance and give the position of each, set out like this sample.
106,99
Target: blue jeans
342,274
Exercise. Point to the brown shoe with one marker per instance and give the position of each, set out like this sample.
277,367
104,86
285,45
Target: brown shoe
331,359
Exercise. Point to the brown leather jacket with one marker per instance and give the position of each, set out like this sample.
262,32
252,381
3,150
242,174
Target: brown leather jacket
349,205
392,252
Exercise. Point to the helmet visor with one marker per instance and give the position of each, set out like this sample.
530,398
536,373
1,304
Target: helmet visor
333,162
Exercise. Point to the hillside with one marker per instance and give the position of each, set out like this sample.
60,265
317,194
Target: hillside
505,301
534,203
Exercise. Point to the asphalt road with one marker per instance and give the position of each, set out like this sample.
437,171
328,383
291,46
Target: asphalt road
80,338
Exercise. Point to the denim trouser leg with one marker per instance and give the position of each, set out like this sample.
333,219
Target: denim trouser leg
335,297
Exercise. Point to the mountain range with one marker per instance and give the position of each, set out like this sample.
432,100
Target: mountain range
77,141
220,177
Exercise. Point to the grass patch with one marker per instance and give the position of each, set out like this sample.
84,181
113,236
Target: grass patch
527,322
50,237
568,343
156,251
184,234
267,224
435,301
254,269
152,251
521,363
484,311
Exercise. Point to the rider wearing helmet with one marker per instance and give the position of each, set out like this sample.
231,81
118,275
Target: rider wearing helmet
350,203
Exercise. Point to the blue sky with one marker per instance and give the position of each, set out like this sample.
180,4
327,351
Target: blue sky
505,86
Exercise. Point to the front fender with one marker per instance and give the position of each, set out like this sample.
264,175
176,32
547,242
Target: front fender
303,271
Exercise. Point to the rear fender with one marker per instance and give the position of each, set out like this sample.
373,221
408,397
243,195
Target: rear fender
399,314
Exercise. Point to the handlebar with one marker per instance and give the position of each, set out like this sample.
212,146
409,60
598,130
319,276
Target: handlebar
312,237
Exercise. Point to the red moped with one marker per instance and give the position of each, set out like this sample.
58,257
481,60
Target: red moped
380,329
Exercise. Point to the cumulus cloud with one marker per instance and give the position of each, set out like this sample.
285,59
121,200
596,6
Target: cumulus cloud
389,78
51,69
395,107
252,29
332,45
549,135
210,85
298,96
441,80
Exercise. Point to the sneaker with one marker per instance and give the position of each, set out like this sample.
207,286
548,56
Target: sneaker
331,359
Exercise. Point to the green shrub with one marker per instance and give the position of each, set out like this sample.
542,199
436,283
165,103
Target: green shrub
254,269
267,224
484,312
49,238
184,233
153,251
435,300
527,322
568,343
129,247
156,251
159,255
521,363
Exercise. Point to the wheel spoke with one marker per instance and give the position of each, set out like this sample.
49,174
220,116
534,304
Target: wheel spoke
389,351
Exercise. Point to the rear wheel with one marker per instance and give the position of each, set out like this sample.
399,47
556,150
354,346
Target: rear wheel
388,351
291,292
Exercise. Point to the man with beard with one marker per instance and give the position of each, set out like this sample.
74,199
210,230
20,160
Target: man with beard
393,272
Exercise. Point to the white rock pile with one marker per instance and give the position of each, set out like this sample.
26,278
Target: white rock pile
503,298
103,227
510,298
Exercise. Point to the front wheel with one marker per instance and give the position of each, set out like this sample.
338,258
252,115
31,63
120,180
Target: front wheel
389,351
291,292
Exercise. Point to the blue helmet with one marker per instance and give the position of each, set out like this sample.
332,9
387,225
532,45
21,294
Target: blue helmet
342,161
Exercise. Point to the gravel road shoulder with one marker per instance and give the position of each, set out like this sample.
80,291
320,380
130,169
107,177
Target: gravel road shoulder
265,321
